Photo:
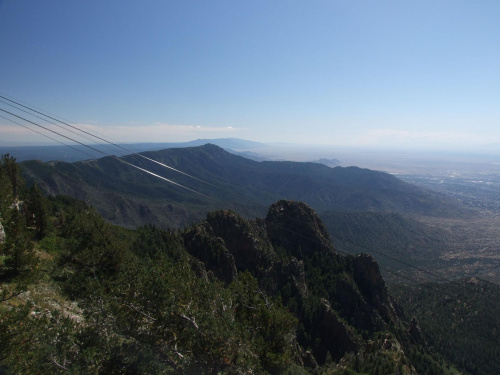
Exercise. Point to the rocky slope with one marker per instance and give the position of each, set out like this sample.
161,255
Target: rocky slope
335,297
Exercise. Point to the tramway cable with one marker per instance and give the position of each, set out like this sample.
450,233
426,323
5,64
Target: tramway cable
50,122
112,156
114,144
138,154
45,135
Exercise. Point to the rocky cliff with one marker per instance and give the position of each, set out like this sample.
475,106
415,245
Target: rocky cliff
335,297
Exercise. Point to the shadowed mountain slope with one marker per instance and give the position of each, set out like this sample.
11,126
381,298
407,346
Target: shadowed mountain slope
127,196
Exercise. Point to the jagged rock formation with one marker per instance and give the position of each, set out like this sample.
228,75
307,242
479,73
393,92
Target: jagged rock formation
416,332
373,290
297,228
336,336
211,250
335,297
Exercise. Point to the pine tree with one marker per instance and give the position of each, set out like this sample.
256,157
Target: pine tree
36,212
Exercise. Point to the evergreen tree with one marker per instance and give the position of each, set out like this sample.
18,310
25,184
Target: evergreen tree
36,212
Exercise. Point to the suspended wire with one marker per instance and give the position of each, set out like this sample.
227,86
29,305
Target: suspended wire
70,128
13,99
53,123
43,111
112,156
53,131
45,135
114,144
128,150
166,179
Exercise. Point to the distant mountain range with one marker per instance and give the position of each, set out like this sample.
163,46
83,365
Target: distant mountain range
79,152
372,209
128,196
328,162
249,149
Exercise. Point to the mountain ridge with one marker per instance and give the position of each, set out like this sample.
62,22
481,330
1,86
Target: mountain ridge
324,188
79,152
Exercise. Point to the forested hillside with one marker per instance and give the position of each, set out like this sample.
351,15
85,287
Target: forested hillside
460,320
128,196
394,239
226,295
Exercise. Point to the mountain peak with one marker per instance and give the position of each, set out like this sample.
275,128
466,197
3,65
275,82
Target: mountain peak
295,226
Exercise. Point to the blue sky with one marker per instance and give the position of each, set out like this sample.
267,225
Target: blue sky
389,74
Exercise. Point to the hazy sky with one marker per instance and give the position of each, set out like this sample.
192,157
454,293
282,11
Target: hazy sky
368,73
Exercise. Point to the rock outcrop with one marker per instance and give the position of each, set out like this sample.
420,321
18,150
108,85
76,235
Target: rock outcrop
202,243
333,335
297,228
335,297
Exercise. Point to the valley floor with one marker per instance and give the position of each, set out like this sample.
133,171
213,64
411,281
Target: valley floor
475,250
